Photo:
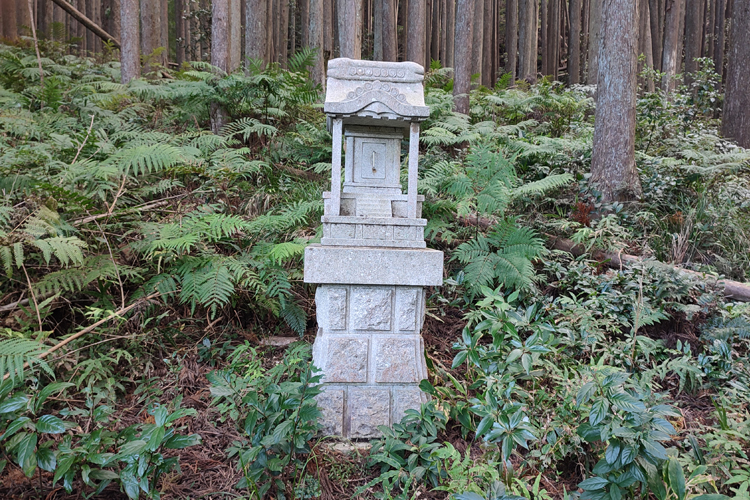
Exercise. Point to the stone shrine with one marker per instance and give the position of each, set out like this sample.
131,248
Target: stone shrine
372,265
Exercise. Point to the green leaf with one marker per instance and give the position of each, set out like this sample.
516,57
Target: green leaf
25,453
130,484
134,447
13,404
676,478
526,363
584,393
49,424
160,416
178,442
615,493
612,452
598,411
46,460
593,483
62,467
484,425
459,359
14,427
155,441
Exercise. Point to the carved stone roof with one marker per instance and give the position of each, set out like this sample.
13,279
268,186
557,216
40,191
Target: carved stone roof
375,90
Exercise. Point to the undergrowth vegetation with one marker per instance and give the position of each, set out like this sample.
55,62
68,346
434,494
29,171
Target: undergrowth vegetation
146,258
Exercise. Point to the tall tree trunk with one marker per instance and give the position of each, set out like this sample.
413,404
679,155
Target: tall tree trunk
462,57
221,53
672,42
657,31
708,29
23,17
574,47
179,31
719,38
304,22
130,46
284,33
328,22
527,53
450,32
435,31
553,32
415,44
256,34
544,35
390,41
595,21
645,46
477,44
403,22
235,34
487,46
377,30
693,37
315,33
613,170
585,15
350,28
9,19
511,38
428,33
736,120
150,32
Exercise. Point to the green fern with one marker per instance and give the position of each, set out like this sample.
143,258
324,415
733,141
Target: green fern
15,352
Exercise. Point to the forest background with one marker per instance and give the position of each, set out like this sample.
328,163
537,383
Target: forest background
161,165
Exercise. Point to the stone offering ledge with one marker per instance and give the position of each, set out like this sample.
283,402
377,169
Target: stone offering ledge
373,266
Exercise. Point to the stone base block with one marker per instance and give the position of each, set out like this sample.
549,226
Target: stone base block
356,411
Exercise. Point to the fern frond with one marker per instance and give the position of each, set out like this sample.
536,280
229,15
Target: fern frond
68,250
15,352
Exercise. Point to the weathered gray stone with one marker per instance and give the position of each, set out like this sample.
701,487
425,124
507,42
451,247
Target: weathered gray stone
407,306
371,308
396,359
331,405
370,89
373,266
346,359
406,398
368,408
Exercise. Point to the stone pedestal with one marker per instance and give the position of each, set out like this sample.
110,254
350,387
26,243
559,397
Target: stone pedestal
372,266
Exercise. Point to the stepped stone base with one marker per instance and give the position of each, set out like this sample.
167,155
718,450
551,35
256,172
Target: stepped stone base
371,354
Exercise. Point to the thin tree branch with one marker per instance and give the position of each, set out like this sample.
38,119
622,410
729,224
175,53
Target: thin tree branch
91,25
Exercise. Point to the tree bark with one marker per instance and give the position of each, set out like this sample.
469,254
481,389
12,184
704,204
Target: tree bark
477,44
350,28
645,46
435,31
390,41
23,17
315,33
179,31
527,54
450,32
130,53
462,57
544,35
595,36
585,15
693,37
672,42
708,29
9,19
613,170
487,45
553,44
415,40
328,21
719,38
150,31
657,31
284,33
736,120
304,22
574,47
377,30
511,38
